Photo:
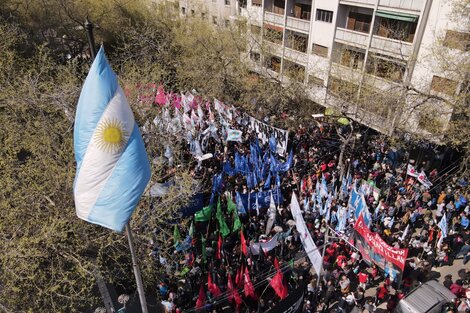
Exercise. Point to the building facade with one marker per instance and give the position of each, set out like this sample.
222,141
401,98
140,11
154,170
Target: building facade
378,61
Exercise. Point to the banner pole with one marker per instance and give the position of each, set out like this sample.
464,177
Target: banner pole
322,257
135,266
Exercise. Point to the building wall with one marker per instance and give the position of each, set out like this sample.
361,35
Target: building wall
414,56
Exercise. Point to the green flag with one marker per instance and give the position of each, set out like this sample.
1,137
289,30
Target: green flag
223,228
236,222
231,207
204,215
176,235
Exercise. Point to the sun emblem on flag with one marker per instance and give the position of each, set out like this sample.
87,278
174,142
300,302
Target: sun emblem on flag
111,136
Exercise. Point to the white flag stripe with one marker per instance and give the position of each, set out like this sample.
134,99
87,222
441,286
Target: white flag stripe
89,183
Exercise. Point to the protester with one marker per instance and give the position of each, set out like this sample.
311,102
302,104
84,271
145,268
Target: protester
246,234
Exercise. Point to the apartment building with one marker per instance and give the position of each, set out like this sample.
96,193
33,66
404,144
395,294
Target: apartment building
372,59
376,60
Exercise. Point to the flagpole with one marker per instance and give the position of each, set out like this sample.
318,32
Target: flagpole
322,257
138,277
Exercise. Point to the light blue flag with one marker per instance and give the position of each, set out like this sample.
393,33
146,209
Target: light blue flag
112,164
323,187
443,225
239,203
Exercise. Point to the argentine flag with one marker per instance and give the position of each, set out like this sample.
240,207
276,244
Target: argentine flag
112,165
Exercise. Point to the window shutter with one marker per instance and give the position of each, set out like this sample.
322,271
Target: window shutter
351,20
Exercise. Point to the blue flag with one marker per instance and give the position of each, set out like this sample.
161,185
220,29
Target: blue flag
267,183
273,144
239,202
112,164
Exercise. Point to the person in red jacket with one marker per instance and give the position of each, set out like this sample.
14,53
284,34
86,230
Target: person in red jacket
380,294
457,289
363,279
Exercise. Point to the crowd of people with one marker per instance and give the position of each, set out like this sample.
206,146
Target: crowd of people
241,255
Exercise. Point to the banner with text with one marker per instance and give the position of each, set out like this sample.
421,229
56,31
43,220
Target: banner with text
265,131
375,250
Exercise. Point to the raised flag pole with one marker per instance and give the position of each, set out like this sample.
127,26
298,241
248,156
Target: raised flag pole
135,266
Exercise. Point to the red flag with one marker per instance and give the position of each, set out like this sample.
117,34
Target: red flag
219,248
278,285
242,239
232,292
249,288
276,264
213,288
201,299
239,277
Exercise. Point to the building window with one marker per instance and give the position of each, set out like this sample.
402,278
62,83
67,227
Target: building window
255,30
256,3
352,59
227,23
324,16
302,11
227,2
315,81
203,15
444,85
192,12
273,34
320,50
255,56
214,20
395,29
297,41
457,40
278,6
384,67
183,10
273,63
359,22
294,70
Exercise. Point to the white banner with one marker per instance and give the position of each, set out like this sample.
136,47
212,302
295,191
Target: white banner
265,131
256,248
307,241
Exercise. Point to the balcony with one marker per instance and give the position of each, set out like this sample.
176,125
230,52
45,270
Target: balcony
296,56
412,5
273,18
351,37
346,73
298,24
393,47
274,49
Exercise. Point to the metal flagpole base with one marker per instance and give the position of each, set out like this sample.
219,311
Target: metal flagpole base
135,266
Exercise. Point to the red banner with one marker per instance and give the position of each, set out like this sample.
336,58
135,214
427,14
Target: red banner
379,251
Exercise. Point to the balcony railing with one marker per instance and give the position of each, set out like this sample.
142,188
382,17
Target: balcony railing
296,56
345,73
351,37
298,24
274,18
274,49
397,48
